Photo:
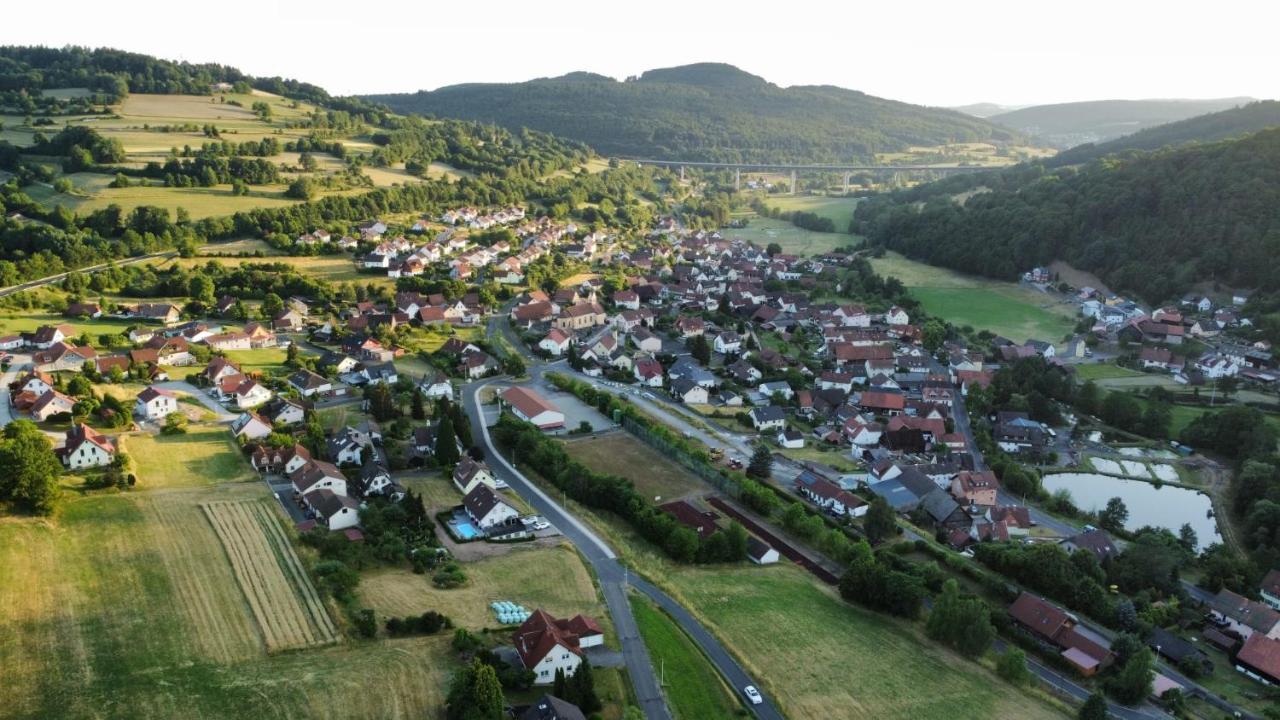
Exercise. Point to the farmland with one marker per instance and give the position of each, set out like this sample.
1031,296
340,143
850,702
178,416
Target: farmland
1002,308
653,474
694,690
289,612
792,239
325,268
203,456
839,209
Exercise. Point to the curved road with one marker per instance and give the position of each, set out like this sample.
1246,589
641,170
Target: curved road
32,284
614,580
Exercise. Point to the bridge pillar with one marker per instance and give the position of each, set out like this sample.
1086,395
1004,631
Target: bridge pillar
737,179
846,183
681,173
793,182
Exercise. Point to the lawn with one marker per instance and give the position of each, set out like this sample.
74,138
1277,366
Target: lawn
13,322
326,268
793,240
1002,308
839,209
270,360
693,689
554,579
653,474
203,456
1104,371
818,656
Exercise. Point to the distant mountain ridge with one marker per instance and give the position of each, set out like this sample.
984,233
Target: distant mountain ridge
1066,125
986,109
1212,127
706,111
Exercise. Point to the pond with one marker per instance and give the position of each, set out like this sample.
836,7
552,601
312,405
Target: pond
1167,506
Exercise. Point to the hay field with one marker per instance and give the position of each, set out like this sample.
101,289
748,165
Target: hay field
289,612
203,456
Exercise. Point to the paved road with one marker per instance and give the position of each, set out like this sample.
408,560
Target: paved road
614,579
18,365
84,271
183,386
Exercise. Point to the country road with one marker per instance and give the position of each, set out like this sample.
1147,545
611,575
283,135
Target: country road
33,284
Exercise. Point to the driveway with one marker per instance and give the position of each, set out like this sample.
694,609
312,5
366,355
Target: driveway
183,386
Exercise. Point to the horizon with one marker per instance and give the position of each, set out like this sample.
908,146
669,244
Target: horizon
1131,57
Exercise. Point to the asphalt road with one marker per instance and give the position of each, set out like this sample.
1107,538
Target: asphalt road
614,580
84,271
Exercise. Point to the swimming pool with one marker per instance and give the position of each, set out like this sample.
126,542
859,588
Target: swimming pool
463,529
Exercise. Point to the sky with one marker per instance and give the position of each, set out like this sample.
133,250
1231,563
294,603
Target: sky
920,51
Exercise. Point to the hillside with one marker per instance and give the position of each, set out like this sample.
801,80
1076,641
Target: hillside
985,109
1223,125
1065,125
1153,224
705,112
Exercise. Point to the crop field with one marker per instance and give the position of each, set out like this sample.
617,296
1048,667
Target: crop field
839,209
554,579
1003,308
694,691
203,456
835,660
289,612
653,474
793,240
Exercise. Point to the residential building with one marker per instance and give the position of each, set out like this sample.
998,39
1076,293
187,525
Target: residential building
486,509
154,404
529,405
547,645
85,448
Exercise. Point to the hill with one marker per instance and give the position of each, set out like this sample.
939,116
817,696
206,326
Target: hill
1065,125
1221,125
985,109
1153,224
707,111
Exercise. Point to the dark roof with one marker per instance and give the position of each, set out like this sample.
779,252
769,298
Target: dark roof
1174,647
757,548
1262,654
1256,615
1097,542
550,707
326,503
480,501
768,413
704,523
1038,615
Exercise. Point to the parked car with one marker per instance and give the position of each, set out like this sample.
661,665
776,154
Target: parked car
752,694
541,525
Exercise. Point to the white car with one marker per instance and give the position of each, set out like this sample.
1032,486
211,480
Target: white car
541,525
752,694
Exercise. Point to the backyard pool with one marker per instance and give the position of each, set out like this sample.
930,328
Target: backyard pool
462,528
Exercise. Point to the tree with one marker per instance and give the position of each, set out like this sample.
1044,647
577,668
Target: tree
272,305
772,249
700,349
1187,537
1012,666
961,622
382,403
475,693
881,522
446,450
1131,684
513,365
933,335
29,469
761,464
582,688
417,409
1095,708
1114,515
1088,398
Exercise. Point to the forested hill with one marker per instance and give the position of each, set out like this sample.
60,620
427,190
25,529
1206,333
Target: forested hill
1153,224
1223,125
705,112
1066,125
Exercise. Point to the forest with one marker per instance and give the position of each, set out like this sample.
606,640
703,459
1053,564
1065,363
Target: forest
1153,224
707,112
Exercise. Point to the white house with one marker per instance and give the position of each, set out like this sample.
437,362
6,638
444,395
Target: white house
556,342
486,509
334,511
760,552
791,439
251,394
250,426
547,645
86,447
897,316
470,473
435,385
318,475
728,342
779,388
769,417
155,404
527,404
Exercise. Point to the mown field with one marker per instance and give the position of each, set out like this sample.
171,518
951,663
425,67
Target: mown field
326,268
203,456
693,689
1003,308
839,209
792,239
653,474
835,660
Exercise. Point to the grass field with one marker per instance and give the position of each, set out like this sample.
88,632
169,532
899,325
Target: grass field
203,456
554,579
653,474
327,268
834,660
1003,308
289,612
13,322
694,691
261,360
839,209
1104,371
793,240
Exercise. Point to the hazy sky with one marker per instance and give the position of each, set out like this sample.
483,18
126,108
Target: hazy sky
922,51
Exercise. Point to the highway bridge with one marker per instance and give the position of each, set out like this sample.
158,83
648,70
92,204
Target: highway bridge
846,170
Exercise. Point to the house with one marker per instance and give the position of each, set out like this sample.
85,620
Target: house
486,509
35,382
477,364
63,356
1178,651
83,309
219,368
547,645
780,388
646,341
791,439
346,447
1053,625
46,336
1270,589
529,405
1095,541
971,487
550,707
1156,357
164,313
336,512
760,552
250,426
702,523
556,342
648,371
51,403
1259,658
375,479
686,390
1244,616
881,403
250,394
1016,432
581,317
728,342
470,473
267,459
829,496
85,447
769,417
309,383
435,385
155,404
283,411
318,475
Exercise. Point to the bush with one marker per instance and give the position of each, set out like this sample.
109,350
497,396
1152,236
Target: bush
448,577
428,623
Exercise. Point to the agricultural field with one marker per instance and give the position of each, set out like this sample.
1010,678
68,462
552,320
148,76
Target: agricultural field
13,322
694,690
1104,371
326,268
288,609
653,474
793,240
552,578
1002,308
839,209
92,193
269,360
203,456
836,660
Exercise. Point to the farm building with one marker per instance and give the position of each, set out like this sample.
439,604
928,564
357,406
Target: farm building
529,405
